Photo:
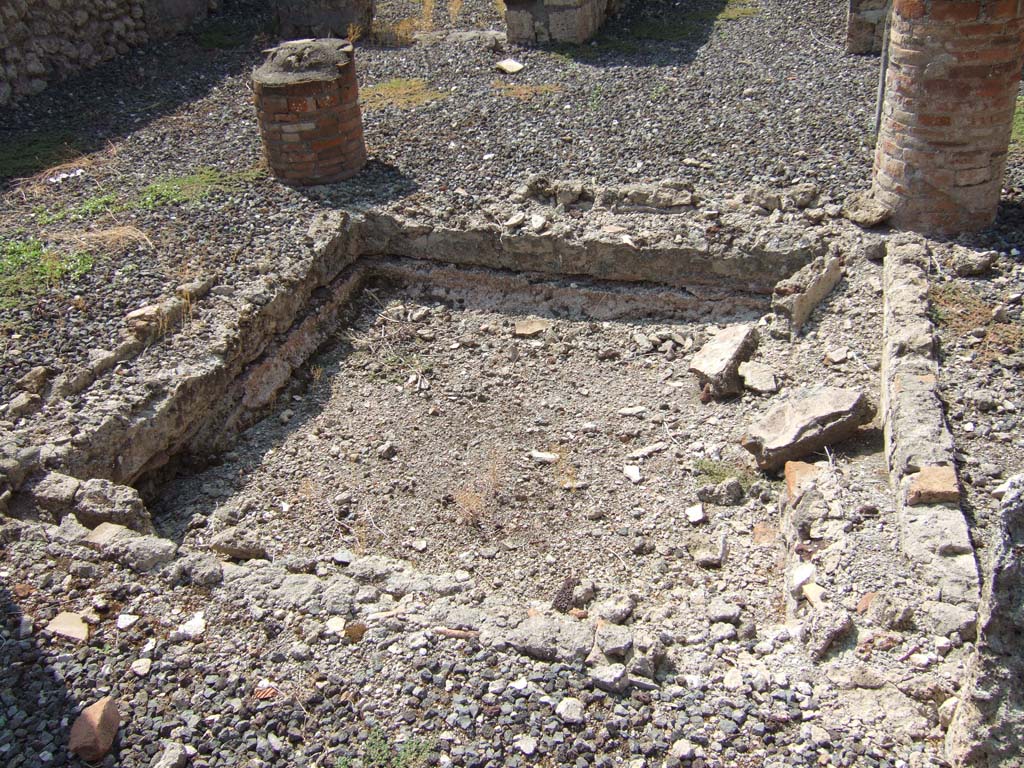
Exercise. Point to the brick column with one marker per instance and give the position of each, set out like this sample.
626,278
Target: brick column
307,103
951,88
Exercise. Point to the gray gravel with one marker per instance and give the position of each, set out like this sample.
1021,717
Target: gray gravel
770,97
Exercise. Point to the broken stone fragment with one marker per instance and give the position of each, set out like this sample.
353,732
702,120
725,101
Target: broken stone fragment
934,485
712,555
101,501
727,493
970,263
239,544
759,378
864,211
807,421
824,628
553,638
610,677
69,625
55,493
94,731
718,362
795,298
23,404
34,381
527,329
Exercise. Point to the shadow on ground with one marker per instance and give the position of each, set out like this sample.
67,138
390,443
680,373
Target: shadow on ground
657,33
93,109
36,709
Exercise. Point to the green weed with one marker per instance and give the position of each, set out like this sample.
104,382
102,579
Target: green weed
711,471
379,752
89,208
28,268
181,190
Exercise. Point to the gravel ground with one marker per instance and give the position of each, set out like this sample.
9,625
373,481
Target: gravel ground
486,533
765,98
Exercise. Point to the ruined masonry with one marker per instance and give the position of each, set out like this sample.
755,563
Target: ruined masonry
865,25
559,21
41,42
951,88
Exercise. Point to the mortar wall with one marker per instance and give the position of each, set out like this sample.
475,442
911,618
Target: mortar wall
42,41
865,25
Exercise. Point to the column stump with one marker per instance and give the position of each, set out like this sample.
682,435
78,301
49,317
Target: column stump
951,88
307,104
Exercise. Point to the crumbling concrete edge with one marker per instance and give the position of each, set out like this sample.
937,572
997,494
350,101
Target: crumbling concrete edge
919,448
987,727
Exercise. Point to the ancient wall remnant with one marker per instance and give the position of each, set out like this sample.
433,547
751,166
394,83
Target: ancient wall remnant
557,21
865,25
951,88
307,103
323,18
45,41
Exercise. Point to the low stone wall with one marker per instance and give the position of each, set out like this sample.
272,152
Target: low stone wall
556,21
42,41
920,451
865,25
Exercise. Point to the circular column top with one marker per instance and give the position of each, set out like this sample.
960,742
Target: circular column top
303,61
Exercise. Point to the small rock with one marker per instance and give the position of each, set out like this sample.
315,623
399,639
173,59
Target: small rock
239,543
542,457
695,514
34,381
509,66
727,493
837,355
864,211
126,620
174,755
69,625
968,263
93,733
632,472
570,710
718,362
682,749
387,450
719,611
610,677
527,329
807,421
141,667
759,378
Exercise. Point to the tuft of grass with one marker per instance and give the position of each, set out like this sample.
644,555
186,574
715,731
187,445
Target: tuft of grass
959,311
180,190
398,34
711,471
400,93
28,269
524,92
90,208
25,154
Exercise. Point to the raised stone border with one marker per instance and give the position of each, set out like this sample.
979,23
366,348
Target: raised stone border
94,425
919,447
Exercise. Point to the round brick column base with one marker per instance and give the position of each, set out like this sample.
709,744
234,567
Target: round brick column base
951,88
307,104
